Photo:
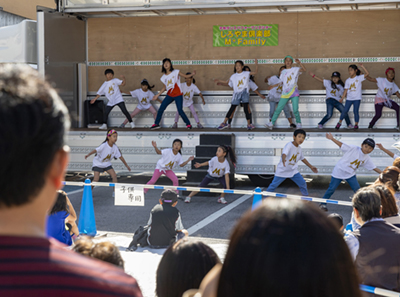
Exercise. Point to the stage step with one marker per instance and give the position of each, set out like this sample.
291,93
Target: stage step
217,139
206,150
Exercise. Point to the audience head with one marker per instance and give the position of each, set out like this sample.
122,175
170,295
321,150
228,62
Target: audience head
396,163
169,197
287,248
104,251
388,202
33,122
337,219
366,205
183,267
60,204
390,178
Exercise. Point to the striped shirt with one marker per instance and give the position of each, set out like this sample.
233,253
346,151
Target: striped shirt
31,266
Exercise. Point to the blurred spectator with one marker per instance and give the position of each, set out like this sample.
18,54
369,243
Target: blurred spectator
183,267
33,158
104,251
337,219
390,178
389,207
287,248
375,246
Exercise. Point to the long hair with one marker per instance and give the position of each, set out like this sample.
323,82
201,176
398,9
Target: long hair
240,62
388,202
60,204
163,70
358,72
193,80
229,153
390,178
287,248
247,68
180,141
340,82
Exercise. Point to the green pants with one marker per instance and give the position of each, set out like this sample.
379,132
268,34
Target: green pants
281,105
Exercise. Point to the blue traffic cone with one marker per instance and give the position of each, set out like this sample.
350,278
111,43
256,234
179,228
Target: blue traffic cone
87,221
257,199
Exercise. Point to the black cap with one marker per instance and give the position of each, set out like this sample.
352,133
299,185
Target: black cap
337,74
144,81
337,218
370,142
169,196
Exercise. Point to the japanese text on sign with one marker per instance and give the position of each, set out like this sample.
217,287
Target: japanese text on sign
126,194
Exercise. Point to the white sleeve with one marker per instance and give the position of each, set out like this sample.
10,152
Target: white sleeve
180,161
134,93
326,83
178,224
396,156
347,84
395,89
164,152
118,81
117,152
253,85
361,77
101,91
100,148
196,89
301,156
227,169
368,164
353,245
286,149
345,147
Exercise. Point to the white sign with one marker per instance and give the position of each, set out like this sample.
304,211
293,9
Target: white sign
129,195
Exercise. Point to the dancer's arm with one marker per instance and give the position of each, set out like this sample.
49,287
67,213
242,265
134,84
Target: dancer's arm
343,96
330,137
191,158
158,151
158,95
91,153
316,77
366,73
313,168
377,170
187,75
198,165
126,164
301,65
227,181
381,147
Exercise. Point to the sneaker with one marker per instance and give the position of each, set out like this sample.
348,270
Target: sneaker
155,127
187,200
132,125
103,127
200,126
320,126
174,126
355,127
269,125
338,126
323,206
371,127
293,126
251,127
189,127
222,200
223,126
350,126
299,126
122,125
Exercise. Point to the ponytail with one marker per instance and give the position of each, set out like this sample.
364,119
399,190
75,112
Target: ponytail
358,72
229,153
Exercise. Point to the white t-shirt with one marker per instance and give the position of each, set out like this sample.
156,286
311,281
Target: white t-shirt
274,94
111,90
168,160
293,155
217,169
188,92
396,156
239,81
105,154
252,86
289,79
352,158
144,98
354,87
385,88
171,79
331,92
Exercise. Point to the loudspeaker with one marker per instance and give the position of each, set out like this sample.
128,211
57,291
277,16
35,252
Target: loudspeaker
94,112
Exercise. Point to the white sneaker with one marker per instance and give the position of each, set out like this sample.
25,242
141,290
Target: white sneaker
298,126
132,125
103,127
222,200
187,200
269,125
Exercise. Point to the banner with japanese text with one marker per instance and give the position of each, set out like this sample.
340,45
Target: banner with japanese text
245,35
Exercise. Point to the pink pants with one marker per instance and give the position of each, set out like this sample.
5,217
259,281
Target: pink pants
137,110
168,173
191,107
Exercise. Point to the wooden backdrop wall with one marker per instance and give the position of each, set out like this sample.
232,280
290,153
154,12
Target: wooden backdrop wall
302,35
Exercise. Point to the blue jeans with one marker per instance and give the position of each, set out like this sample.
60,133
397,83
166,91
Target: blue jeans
330,104
297,178
335,182
167,101
355,109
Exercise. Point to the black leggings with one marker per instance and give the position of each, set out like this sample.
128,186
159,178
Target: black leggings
233,108
122,106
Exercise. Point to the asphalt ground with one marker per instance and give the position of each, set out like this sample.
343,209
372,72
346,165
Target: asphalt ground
126,219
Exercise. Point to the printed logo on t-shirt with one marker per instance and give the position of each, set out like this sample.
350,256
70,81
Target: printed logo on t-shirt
240,82
353,86
387,91
216,171
289,79
169,82
170,165
111,90
294,159
107,158
279,89
187,95
333,92
144,101
356,163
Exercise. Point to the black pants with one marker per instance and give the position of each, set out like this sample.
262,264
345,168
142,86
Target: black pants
122,106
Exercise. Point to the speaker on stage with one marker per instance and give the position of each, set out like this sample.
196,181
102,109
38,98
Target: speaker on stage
94,113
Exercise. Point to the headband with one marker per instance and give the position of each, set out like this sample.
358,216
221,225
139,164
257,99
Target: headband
288,56
387,70
111,132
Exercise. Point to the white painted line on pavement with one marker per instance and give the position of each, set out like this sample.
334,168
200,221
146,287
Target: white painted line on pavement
211,218
74,192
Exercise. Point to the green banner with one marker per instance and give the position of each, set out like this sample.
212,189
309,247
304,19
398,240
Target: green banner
245,35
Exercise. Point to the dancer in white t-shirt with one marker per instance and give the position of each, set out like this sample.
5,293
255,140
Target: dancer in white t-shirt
107,151
110,88
189,89
218,169
386,88
239,81
144,96
170,158
353,94
334,91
